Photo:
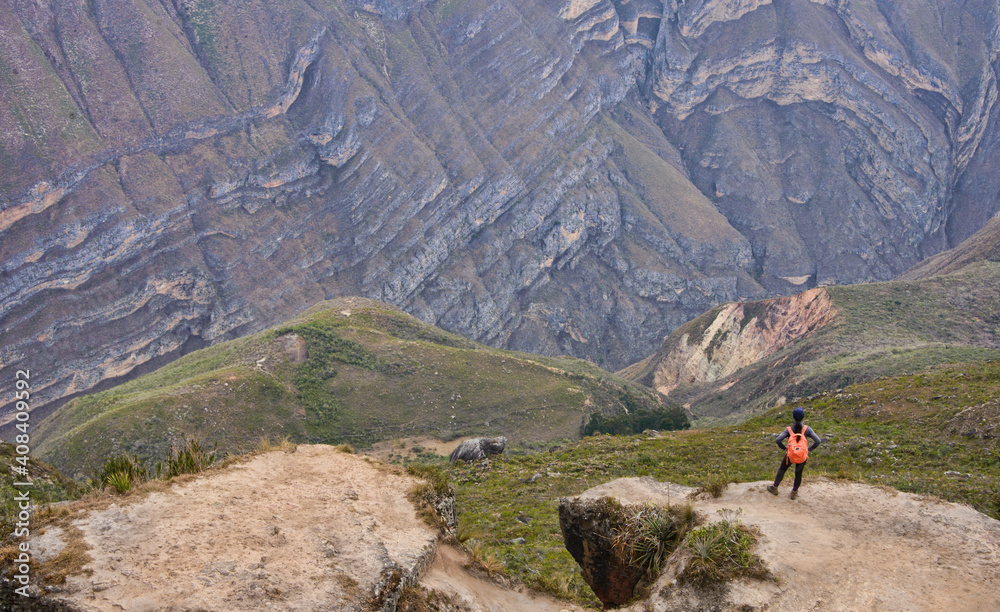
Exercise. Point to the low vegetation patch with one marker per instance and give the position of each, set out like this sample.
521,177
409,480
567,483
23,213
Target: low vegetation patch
647,536
429,496
349,371
723,551
125,472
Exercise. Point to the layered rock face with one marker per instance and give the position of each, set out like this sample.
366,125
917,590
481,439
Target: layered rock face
840,137
562,177
738,335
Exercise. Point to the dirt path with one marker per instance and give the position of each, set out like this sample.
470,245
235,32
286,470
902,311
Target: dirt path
851,547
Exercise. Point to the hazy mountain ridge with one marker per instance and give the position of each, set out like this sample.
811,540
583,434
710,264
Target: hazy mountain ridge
176,174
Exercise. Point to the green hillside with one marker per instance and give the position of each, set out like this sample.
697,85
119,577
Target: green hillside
372,373
48,485
936,433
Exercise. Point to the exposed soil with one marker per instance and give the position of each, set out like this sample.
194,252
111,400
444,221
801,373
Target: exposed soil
741,334
317,529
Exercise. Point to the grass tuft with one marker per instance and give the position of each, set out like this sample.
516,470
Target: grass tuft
122,473
716,485
189,459
723,551
647,537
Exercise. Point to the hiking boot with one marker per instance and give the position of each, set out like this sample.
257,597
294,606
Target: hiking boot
773,490
794,494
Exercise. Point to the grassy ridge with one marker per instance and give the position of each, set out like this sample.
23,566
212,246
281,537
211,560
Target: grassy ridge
933,433
372,373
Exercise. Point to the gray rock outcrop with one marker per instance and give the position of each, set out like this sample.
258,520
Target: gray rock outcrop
478,448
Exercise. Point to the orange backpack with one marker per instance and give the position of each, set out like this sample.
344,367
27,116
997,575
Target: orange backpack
798,448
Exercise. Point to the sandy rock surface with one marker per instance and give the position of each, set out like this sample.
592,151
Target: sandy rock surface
842,546
284,531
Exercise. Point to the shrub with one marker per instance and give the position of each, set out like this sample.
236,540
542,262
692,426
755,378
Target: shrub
647,537
716,485
669,418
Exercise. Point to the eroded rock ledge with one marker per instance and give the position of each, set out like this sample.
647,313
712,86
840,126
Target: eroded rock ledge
305,530
852,543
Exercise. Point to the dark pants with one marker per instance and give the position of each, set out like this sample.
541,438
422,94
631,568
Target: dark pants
784,466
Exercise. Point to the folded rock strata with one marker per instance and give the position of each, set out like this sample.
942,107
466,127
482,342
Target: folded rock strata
579,177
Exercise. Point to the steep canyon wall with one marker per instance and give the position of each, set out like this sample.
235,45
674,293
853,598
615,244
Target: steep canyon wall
573,177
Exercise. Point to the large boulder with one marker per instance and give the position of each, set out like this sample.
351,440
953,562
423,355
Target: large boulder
478,448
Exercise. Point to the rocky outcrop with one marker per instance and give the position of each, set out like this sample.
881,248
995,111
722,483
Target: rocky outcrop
731,337
478,448
588,527
578,178
589,522
807,126
312,529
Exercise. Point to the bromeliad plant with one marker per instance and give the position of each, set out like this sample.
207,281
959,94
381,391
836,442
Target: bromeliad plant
722,551
122,472
648,536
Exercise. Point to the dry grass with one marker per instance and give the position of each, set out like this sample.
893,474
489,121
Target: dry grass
264,445
484,560
416,598
716,485
71,560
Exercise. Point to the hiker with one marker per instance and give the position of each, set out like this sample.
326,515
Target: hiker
796,452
